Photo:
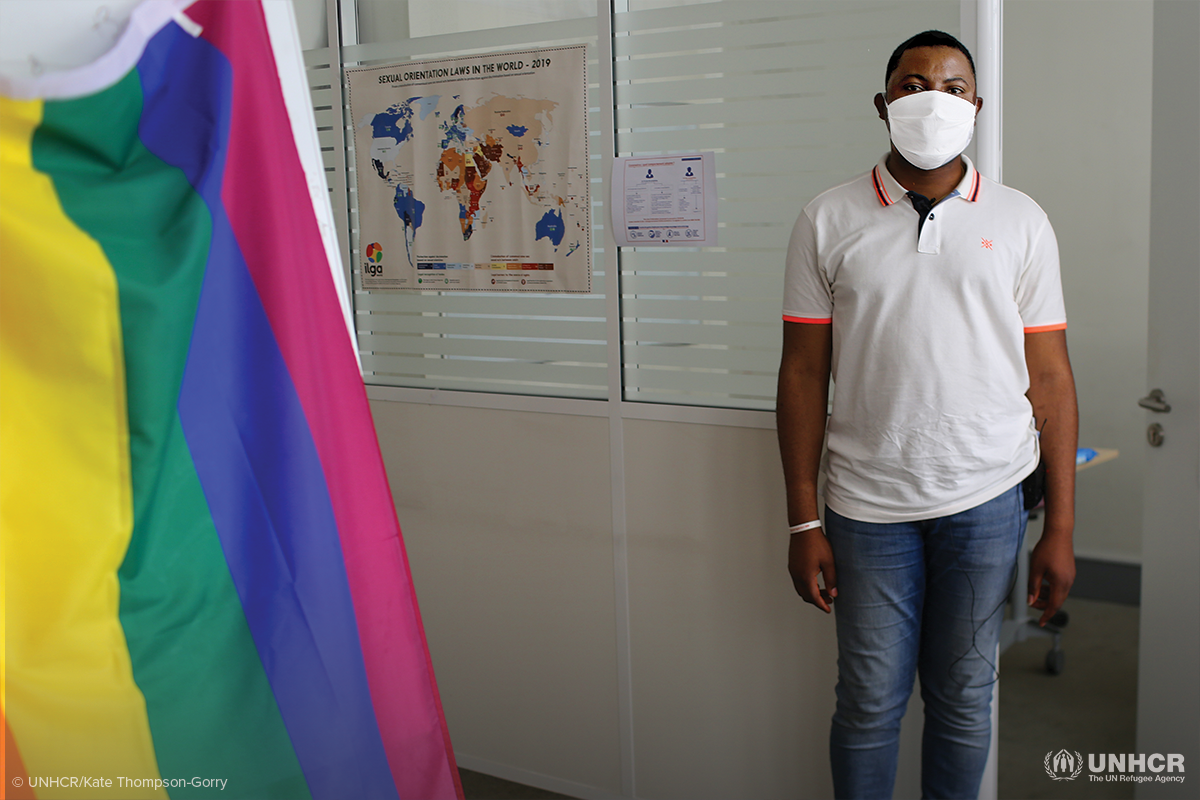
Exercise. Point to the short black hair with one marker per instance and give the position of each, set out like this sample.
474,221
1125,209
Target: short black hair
927,39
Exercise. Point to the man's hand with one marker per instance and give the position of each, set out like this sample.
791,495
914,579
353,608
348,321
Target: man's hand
1052,395
1052,562
809,556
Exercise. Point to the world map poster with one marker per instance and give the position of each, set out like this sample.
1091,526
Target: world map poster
472,172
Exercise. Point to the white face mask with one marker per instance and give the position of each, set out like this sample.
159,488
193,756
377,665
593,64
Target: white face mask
931,128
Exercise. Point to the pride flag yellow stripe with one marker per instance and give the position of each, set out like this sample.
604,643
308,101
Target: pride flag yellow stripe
66,511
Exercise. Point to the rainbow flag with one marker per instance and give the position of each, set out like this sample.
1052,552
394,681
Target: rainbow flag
205,589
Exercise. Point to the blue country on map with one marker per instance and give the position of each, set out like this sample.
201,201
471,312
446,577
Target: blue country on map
497,142
551,227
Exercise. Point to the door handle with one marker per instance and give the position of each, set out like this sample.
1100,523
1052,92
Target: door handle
1156,401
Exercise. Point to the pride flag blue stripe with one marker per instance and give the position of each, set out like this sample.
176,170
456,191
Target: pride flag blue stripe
255,456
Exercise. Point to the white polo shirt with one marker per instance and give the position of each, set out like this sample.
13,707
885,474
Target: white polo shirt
929,414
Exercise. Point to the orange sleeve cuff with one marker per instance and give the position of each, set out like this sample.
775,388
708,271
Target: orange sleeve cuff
809,320
1061,326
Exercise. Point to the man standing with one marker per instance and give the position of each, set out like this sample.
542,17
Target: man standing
932,295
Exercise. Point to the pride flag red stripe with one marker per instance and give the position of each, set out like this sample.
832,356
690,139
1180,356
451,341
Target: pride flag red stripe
311,336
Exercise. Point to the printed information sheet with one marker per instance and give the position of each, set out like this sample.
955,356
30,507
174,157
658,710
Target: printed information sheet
665,200
473,172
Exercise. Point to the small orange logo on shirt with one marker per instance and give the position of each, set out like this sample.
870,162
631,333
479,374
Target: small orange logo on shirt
986,244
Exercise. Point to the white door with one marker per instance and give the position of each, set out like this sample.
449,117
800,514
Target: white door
1169,647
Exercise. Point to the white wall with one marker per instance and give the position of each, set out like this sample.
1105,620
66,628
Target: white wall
1169,688
506,517
312,23
732,675
1077,80
507,520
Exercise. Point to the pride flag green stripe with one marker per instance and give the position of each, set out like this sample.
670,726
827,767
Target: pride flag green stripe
193,656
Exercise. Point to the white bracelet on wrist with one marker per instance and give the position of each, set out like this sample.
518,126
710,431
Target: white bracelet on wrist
806,526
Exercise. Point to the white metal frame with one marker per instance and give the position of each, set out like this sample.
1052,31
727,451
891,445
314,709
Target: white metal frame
989,68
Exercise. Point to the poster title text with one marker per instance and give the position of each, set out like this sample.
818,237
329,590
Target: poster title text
489,68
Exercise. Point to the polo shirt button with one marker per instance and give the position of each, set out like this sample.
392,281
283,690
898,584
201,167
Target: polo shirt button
931,216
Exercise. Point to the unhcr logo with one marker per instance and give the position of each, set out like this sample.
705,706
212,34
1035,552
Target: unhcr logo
1063,765
1066,765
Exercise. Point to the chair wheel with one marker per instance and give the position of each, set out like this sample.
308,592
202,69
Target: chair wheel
1055,661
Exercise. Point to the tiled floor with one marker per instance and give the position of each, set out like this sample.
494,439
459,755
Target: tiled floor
1090,708
477,786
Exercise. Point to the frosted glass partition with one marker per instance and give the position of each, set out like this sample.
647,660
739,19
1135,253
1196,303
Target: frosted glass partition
542,344
782,92
321,66
393,20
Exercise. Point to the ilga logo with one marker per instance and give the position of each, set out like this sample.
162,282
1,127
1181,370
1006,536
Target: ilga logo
374,263
1063,765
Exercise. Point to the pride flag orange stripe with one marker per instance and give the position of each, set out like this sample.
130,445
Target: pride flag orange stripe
16,779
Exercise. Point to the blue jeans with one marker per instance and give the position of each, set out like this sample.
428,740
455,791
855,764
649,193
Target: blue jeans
920,598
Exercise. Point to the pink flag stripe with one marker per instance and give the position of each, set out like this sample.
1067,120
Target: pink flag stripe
287,263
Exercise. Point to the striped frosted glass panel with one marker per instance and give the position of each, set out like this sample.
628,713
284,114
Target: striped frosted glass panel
389,20
321,67
782,92
541,344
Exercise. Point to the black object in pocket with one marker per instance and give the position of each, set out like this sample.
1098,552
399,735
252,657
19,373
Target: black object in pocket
1034,486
